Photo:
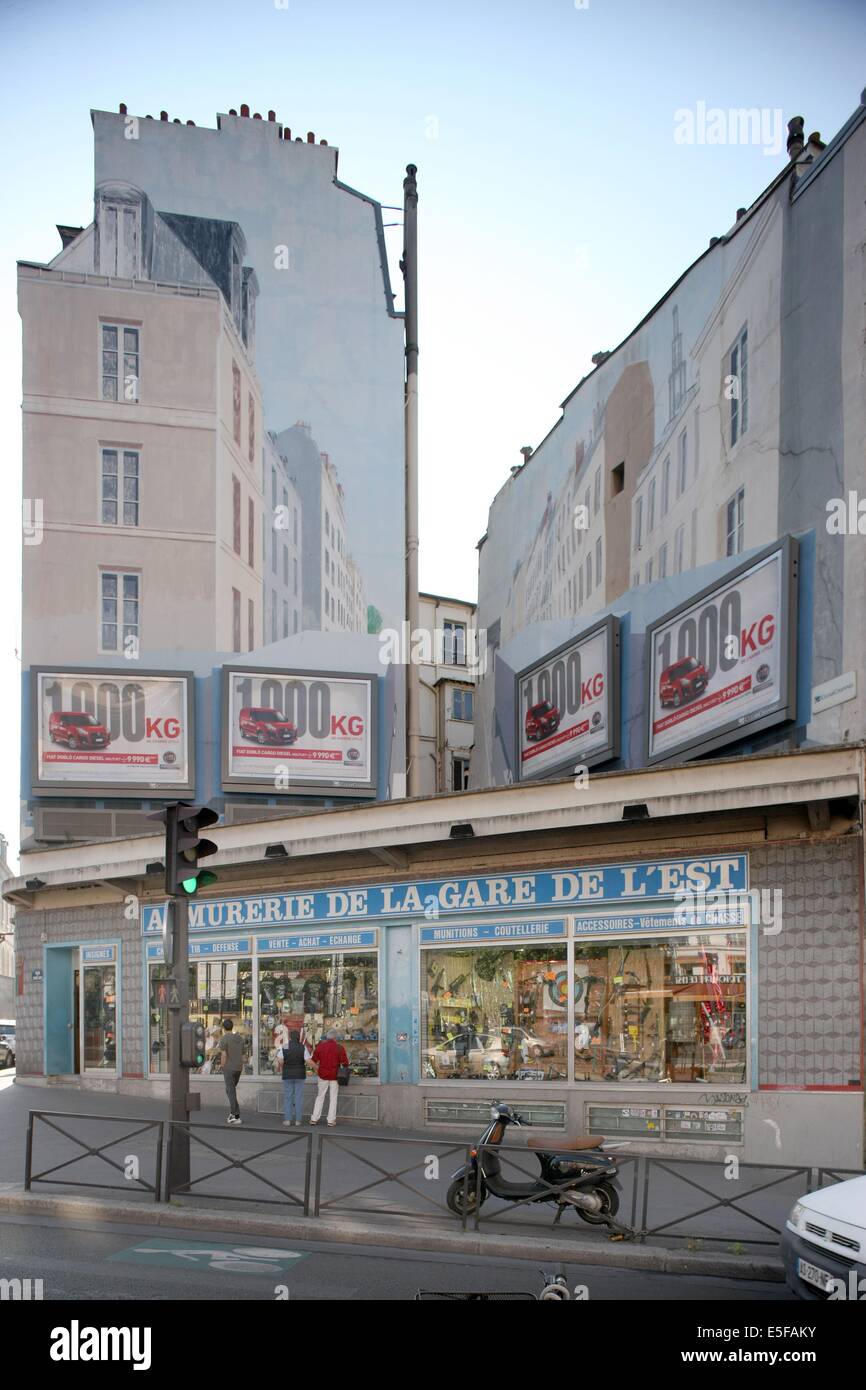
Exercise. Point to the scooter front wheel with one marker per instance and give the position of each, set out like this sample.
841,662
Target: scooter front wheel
608,1210
454,1197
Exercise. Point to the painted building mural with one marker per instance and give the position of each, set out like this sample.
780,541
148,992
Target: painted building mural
683,451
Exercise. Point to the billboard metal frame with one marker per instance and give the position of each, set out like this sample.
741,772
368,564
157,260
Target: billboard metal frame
234,783
127,790
611,626
783,710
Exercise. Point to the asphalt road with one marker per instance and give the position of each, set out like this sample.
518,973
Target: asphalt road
91,1261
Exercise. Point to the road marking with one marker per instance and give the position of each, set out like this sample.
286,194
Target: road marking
229,1259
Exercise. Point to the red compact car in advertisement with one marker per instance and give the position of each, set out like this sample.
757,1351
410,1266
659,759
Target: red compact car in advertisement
266,725
542,720
77,730
683,681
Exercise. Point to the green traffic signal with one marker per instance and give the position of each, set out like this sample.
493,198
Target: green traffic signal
200,880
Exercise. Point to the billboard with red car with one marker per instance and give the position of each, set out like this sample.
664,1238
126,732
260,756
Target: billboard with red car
111,732
291,732
723,664
568,705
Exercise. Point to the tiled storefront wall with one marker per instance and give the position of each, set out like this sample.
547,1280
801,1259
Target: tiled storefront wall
809,971
95,923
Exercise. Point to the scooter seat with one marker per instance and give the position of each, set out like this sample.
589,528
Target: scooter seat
563,1145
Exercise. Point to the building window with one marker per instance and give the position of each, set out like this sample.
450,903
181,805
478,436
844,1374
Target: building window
251,421
120,494
638,523
120,617
119,239
598,561
285,617
251,624
295,576
691,1023
236,517
462,704
273,489
251,533
682,469
666,486
454,643
273,616
651,507
677,378
295,620
121,362
589,574
460,774
739,373
314,994
295,525
663,561
679,545
734,523
236,402
617,479
496,1011
580,585
596,492
218,989
236,290
236,620
286,565
649,571
635,579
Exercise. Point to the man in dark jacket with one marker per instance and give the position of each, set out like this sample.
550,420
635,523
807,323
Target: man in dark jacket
294,1076
327,1057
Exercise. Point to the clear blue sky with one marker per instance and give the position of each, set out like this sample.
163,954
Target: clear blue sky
555,205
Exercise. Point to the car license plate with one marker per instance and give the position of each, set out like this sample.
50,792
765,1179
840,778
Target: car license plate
811,1274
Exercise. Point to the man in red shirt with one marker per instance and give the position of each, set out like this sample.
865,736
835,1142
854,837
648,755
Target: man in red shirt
327,1057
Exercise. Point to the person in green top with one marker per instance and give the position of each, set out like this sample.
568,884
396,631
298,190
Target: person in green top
231,1050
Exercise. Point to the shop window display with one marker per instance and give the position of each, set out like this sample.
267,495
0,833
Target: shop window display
218,989
311,994
669,1009
490,1013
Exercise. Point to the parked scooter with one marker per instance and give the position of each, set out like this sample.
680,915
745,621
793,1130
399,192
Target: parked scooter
574,1173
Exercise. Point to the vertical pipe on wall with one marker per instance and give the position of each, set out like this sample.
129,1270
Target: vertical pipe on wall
409,266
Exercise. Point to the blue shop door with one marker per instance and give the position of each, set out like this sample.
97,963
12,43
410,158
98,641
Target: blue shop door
61,964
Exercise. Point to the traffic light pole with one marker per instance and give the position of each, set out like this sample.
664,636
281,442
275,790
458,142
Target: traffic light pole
179,1106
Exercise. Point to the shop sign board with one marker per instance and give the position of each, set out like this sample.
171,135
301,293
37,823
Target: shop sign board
236,946
723,665
111,732
567,705
319,941
489,931
98,955
307,732
564,889
736,915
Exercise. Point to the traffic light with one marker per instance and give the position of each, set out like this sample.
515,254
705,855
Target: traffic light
184,847
192,1048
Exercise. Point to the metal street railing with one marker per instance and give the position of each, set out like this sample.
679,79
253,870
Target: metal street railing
129,1166
242,1162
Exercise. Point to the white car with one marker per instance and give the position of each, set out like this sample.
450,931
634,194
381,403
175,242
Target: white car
824,1243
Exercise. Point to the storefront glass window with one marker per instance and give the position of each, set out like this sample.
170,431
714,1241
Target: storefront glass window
100,1007
218,989
489,1012
661,1010
314,993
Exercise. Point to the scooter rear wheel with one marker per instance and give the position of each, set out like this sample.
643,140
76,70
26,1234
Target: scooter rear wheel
454,1197
609,1207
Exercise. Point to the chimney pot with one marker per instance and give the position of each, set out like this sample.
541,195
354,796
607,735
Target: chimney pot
795,137
323,142
257,115
232,111
177,121
311,139
741,212
272,115
122,108
245,110
163,115
190,122
714,241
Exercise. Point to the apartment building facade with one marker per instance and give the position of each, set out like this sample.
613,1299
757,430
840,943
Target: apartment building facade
447,703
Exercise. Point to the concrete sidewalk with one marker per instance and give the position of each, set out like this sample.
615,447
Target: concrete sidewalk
370,1189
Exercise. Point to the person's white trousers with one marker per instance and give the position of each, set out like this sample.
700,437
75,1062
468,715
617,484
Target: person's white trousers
331,1089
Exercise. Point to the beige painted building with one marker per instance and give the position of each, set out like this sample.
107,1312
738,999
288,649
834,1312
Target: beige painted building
447,692
141,448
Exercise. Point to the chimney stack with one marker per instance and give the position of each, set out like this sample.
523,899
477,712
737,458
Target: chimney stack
795,137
